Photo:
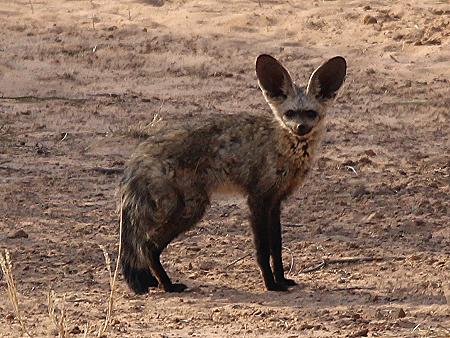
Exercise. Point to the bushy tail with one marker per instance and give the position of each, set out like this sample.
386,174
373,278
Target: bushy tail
134,269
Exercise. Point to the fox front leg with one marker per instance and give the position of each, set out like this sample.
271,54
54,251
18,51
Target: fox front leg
276,246
260,223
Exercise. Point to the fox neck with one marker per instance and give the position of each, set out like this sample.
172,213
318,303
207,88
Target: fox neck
300,148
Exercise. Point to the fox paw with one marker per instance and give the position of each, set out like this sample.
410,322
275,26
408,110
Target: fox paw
277,287
175,287
288,282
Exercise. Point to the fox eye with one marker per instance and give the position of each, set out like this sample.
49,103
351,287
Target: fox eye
290,113
311,114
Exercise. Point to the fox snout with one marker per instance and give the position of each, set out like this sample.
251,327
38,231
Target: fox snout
303,129
301,122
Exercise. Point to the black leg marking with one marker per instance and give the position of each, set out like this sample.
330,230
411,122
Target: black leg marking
139,280
276,247
259,222
158,271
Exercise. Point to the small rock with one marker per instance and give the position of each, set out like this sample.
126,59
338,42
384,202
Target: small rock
420,222
360,333
349,163
365,160
398,36
18,234
437,11
367,8
369,19
360,191
206,265
306,326
370,152
75,330
400,313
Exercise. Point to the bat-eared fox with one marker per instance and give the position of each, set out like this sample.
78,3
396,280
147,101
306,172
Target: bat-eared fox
169,180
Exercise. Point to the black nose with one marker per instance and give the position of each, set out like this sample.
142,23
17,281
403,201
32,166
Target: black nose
303,129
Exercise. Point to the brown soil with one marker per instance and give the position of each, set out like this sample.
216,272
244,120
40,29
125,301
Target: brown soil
183,60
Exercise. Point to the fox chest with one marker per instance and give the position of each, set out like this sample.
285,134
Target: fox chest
293,168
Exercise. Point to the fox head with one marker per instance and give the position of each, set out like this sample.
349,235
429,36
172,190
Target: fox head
301,112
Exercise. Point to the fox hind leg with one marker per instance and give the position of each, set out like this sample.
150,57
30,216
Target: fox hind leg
194,205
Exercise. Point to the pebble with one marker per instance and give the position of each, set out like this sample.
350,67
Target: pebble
18,234
400,313
360,333
75,330
369,19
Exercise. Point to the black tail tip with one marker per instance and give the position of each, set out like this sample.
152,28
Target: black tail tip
139,280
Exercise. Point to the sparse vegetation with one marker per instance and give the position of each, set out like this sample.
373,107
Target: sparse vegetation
57,307
6,266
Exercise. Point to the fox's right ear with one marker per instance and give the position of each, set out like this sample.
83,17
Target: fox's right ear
326,80
274,80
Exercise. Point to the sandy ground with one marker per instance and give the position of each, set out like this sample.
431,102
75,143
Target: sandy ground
87,75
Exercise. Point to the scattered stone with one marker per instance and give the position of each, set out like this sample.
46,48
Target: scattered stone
206,265
360,191
369,19
370,152
400,313
360,333
75,330
420,222
398,36
437,11
365,161
18,234
306,326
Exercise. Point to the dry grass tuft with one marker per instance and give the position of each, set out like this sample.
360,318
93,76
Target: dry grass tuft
112,278
6,266
143,130
58,320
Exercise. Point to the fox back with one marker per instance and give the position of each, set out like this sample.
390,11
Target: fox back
169,180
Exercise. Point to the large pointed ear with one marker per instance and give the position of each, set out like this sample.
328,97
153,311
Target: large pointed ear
274,80
326,80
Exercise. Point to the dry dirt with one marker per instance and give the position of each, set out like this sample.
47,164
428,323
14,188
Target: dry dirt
87,75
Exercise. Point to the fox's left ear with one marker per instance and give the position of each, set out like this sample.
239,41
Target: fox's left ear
326,80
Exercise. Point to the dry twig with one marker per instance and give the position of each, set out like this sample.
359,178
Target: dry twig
112,279
41,98
238,260
326,262
393,58
291,267
351,288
